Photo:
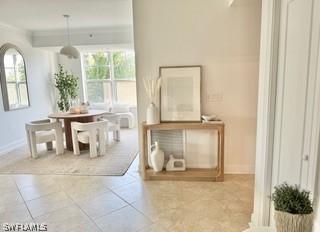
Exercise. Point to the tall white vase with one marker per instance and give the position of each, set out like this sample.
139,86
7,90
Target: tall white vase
153,114
157,158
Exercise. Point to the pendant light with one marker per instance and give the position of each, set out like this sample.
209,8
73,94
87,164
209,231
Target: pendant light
68,50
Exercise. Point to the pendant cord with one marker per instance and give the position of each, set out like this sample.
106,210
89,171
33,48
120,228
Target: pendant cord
68,28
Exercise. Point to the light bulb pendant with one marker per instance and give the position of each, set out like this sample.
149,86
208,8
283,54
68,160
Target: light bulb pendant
69,50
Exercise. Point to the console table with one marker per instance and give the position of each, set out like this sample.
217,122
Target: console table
191,174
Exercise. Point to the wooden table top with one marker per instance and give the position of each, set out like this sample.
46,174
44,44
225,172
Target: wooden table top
183,125
63,115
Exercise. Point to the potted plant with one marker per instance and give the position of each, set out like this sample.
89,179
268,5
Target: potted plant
67,85
293,209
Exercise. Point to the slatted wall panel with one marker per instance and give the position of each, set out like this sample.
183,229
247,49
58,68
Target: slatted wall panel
171,142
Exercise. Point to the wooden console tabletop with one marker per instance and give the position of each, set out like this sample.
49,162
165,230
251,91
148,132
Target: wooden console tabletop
192,174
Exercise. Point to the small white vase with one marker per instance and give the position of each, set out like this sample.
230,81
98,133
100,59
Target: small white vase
152,114
157,158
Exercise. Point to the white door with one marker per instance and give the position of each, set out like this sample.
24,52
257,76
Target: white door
296,76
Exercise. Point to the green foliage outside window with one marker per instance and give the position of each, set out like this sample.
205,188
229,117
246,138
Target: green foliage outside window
21,72
103,70
97,66
124,66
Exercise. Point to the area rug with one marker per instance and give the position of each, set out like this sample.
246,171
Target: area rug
116,162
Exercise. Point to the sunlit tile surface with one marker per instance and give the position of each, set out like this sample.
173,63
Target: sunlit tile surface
126,203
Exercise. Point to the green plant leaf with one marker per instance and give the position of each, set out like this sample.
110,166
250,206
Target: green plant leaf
292,199
67,85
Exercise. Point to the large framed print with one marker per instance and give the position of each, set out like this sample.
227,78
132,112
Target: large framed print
180,95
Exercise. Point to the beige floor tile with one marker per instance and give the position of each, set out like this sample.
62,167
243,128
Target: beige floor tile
70,218
123,220
79,194
90,227
66,181
153,228
7,184
85,203
33,180
101,205
15,214
48,204
132,192
135,174
84,191
153,207
10,198
35,191
198,215
171,218
113,182
196,226
234,225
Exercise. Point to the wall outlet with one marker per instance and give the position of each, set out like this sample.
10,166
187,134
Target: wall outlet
214,97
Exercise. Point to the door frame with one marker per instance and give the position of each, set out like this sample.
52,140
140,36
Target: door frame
270,24
270,28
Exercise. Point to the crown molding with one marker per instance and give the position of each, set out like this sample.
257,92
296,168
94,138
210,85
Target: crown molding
94,30
84,36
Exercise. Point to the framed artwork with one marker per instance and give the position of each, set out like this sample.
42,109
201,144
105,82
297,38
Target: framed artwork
180,94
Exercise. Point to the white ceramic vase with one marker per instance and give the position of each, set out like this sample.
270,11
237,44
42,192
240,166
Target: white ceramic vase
152,114
157,158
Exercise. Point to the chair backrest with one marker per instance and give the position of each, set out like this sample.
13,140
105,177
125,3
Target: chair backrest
43,125
120,108
47,120
113,117
79,126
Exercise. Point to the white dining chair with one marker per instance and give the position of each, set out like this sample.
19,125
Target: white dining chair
113,125
44,131
125,113
89,133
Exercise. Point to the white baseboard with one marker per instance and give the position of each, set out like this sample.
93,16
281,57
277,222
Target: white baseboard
239,169
11,146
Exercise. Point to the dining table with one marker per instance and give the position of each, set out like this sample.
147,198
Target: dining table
90,116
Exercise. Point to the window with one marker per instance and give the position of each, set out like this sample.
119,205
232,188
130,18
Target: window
110,77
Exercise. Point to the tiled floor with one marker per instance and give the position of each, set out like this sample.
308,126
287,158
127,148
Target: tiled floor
101,203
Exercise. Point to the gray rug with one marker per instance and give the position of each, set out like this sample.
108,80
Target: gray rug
116,162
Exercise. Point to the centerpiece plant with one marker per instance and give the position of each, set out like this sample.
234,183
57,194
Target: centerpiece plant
67,85
294,212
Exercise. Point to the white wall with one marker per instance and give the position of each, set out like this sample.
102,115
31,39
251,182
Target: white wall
225,40
39,74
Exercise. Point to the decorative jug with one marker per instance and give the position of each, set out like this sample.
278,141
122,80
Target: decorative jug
157,158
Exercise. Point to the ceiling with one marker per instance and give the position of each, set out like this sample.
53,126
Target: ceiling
46,15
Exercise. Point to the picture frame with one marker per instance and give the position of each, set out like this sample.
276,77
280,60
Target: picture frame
180,93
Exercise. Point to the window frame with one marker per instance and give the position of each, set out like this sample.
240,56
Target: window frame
17,82
112,80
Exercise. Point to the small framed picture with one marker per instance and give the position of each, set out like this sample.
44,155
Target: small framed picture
180,94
